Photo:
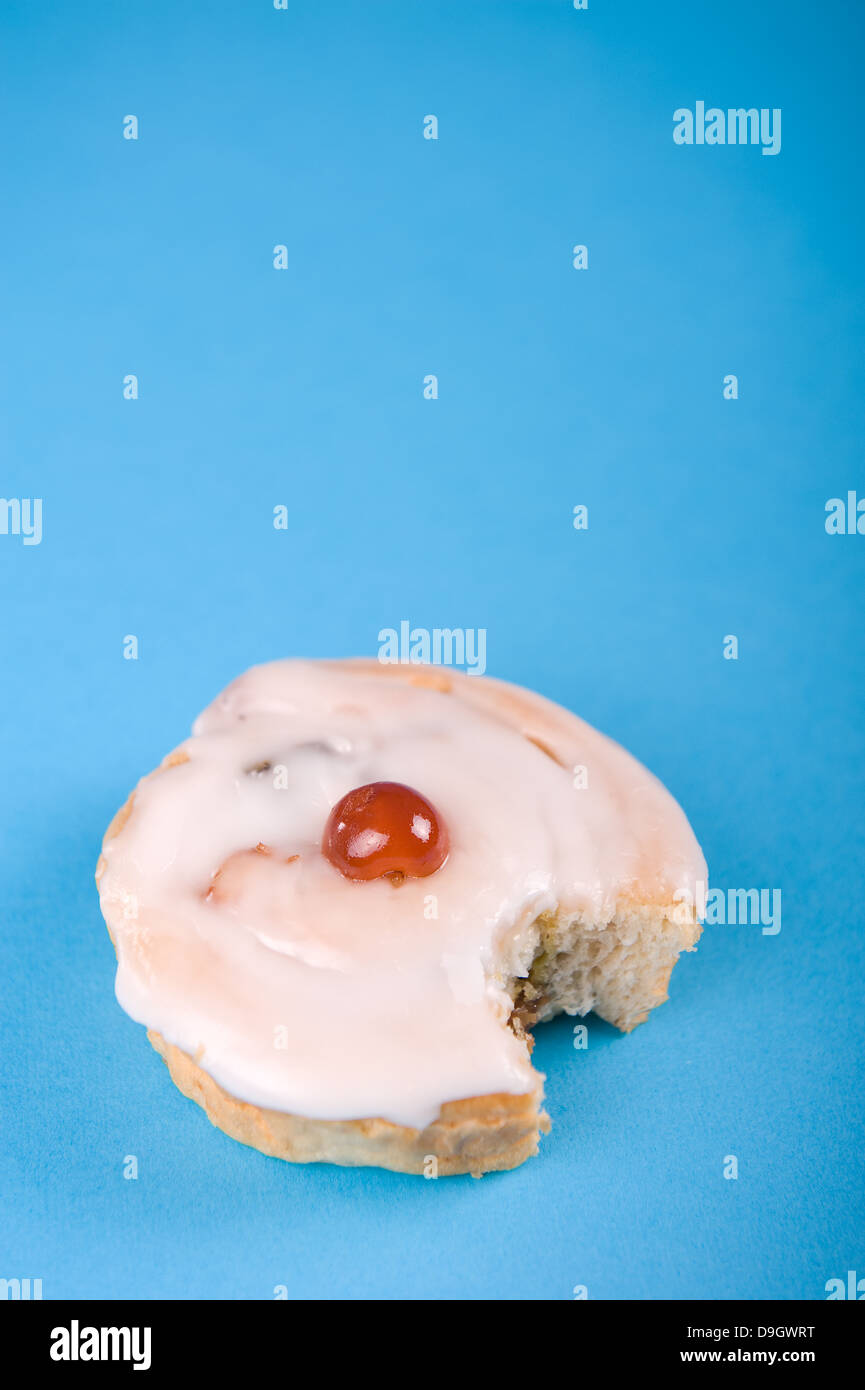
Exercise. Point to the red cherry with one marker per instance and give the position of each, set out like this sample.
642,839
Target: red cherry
385,830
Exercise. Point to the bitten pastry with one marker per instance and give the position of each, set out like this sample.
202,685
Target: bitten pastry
340,907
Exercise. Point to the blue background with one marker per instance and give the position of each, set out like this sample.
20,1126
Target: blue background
304,387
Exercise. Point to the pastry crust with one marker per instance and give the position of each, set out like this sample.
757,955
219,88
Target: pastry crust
484,1135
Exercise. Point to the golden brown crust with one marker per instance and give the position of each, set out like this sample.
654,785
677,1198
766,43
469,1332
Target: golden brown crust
483,1135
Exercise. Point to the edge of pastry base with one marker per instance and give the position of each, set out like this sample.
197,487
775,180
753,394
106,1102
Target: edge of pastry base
483,1135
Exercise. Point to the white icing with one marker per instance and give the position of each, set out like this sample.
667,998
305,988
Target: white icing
302,991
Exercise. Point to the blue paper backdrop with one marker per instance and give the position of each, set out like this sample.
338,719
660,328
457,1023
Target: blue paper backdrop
304,387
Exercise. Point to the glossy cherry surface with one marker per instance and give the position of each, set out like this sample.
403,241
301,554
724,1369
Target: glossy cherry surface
385,829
